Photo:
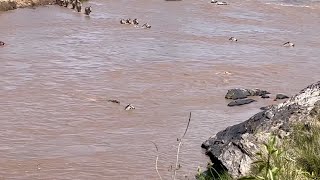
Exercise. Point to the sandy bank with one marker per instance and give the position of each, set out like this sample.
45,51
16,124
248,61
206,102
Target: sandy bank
6,5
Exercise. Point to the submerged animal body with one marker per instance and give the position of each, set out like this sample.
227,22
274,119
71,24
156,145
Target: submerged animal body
288,44
88,10
233,39
2,43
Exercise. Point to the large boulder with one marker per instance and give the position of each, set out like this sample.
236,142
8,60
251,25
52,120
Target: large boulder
240,93
281,96
233,149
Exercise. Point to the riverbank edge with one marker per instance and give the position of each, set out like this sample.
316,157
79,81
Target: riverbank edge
233,149
6,5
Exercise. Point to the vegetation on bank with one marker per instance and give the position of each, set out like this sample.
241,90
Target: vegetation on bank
297,157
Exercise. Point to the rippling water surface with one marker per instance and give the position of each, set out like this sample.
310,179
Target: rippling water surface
60,67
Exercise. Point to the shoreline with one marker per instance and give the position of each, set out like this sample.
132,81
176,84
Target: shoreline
6,5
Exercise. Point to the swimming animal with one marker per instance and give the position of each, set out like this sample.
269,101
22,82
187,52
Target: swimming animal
61,2
146,25
135,21
122,21
73,4
87,10
2,43
129,107
79,6
66,3
288,44
219,2
233,39
129,21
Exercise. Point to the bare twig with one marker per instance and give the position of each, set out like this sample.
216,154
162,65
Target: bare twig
157,160
178,150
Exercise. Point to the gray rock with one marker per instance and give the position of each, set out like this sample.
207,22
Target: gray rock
265,96
281,96
233,149
240,102
237,94
266,107
240,93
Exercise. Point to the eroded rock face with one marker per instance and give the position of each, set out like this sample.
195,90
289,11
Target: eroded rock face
234,148
240,93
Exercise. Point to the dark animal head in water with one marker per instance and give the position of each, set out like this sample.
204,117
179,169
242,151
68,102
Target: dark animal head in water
122,21
135,21
288,44
233,39
146,25
79,6
87,10
2,43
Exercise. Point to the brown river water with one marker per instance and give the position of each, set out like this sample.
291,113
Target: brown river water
59,68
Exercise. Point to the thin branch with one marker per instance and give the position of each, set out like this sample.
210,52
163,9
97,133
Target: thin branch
157,160
187,126
178,150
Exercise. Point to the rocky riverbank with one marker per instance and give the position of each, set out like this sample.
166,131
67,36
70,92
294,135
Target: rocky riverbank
233,149
6,5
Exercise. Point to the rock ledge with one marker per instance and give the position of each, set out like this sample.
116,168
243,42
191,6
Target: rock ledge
233,148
